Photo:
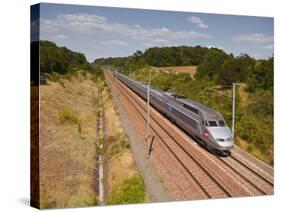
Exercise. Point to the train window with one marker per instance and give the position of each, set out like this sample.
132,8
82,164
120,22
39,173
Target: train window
221,123
206,123
213,123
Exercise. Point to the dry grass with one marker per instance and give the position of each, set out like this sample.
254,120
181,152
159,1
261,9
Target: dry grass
243,94
121,163
67,154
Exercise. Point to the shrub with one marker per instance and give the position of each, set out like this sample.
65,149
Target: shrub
132,191
66,115
55,77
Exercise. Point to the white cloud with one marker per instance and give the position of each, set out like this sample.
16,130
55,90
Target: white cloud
151,44
114,42
47,25
266,47
269,47
159,40
55,37
60,37
214,46
256,38
91,24
198,22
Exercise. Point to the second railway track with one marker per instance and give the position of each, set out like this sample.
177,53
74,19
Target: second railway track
214,176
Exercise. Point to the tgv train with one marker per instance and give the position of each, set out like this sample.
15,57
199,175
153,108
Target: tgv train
202,122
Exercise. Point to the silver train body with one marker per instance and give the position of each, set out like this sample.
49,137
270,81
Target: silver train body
202,122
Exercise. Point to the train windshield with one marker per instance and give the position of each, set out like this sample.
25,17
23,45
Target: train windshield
221,123
212,123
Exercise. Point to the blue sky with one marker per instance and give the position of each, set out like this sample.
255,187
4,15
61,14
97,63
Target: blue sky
104,31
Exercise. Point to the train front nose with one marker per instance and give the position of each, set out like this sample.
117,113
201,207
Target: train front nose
222,137
225,143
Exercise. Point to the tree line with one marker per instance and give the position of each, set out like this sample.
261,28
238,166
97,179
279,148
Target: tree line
225,69
160,57
56,61
213,64
60,59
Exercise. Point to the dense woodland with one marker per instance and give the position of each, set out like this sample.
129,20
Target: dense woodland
254,105
61,60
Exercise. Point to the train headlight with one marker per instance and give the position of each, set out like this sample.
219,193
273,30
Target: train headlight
221,139
206,134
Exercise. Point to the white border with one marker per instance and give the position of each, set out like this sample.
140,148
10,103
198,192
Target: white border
14,112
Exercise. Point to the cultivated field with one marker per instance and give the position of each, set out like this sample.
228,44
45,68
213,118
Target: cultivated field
177,69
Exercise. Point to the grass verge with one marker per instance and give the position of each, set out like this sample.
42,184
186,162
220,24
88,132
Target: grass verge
131,191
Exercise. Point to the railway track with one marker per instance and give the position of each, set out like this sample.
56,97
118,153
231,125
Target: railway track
206,172
204,178
257,181
201,195
180,186
266,176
